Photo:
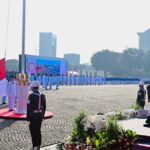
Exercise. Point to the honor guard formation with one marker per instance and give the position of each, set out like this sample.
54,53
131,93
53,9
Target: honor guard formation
49,81
54,82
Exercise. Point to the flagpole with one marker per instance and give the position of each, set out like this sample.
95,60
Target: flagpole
22,80
23,37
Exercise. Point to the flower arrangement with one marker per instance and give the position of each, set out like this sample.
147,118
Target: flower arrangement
97,132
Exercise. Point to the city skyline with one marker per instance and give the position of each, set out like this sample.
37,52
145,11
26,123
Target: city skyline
82,27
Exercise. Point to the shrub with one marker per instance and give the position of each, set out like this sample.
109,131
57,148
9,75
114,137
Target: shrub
111,137
136,106
78,132
113,129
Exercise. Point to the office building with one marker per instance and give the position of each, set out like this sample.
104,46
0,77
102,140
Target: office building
47,44
144,40
73,59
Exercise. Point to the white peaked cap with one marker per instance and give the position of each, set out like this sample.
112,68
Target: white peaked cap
141,83
35,84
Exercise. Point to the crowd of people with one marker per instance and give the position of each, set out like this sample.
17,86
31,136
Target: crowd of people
11,93
48,80
36,105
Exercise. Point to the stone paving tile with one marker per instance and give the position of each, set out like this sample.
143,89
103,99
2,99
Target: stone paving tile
66,103
52,147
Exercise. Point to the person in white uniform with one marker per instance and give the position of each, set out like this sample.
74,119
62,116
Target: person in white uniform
44,81
11,90
39,78
4,93
50,81
57,82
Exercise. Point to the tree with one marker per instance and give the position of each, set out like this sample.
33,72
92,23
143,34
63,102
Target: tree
12,65
107,61
131,62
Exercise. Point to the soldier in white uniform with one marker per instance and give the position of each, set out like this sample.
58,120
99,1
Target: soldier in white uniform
31,77
11,89
70,79
82,79
57,82
62,80
4,94
74,80
39,78
50,81
66,79
45,81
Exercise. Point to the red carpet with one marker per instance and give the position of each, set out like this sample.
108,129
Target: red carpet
6,114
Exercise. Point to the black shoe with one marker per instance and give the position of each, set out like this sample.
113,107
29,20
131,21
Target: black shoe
4,103
38,148
11,109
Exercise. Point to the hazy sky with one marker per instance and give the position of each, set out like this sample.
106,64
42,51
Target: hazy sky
81,26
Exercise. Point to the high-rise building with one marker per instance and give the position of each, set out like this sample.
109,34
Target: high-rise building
47,44
144,40
73,59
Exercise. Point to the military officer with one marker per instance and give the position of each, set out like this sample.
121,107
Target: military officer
4,94
148,92
12,92
141,95
57,82
36,107
50,81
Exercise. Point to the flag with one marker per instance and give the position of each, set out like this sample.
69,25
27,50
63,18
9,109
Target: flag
3,81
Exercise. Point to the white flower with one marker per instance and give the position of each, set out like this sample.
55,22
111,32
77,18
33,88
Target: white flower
109,114
96,122
130,113
88,123
99,122
68,139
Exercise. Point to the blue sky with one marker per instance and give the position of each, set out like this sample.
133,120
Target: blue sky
81,26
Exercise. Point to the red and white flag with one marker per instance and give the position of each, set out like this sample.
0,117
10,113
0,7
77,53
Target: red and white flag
3,81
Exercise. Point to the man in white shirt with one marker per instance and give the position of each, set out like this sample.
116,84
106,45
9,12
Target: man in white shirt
12,93
4,93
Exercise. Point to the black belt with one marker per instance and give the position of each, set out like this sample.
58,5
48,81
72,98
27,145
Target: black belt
37,111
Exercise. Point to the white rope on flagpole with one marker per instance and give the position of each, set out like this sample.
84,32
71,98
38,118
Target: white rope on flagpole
7,26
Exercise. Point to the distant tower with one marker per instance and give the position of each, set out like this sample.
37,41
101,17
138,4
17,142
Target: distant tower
73,59
144,40
47,44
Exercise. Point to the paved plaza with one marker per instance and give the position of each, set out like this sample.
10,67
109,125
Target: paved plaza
66,103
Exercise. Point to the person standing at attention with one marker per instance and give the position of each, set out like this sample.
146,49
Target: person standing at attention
141,95
36,107
12,93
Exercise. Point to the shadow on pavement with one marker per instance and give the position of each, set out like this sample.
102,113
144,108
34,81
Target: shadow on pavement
5,123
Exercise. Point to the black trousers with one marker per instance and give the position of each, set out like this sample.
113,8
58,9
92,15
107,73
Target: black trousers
141,103
35,130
